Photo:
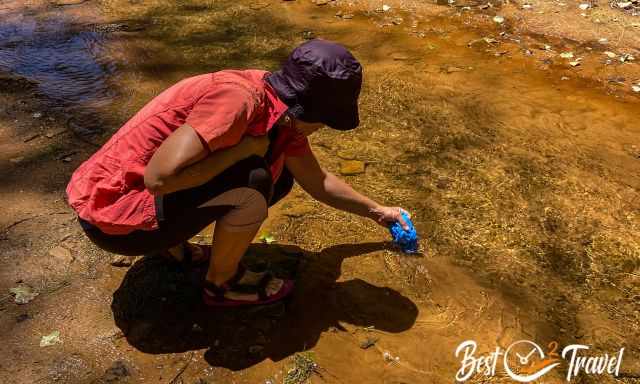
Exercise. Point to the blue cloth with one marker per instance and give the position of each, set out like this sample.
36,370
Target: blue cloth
407,240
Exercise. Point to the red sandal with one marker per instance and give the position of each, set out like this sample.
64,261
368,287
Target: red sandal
214,295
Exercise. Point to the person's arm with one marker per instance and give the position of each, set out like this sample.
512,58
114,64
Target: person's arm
183,160
331,190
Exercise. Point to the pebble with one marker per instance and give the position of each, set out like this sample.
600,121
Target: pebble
116,372
352,167
635,88
498,19
110,335
610,54
347,16
62,254
122,261
400,56
322,2
452,69
55,132
625,57
368,343
65,237
31,137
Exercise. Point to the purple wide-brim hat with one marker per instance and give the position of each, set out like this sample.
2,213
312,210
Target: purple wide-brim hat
320,82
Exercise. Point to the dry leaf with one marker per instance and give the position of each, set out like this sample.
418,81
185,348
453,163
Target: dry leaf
50,339
23,294
266,237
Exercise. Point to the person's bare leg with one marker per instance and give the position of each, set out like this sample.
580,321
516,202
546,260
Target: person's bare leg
226,251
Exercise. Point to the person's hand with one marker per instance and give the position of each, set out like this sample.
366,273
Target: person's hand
256,145
387,215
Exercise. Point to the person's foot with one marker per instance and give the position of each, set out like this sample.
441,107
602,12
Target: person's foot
237,291
250,279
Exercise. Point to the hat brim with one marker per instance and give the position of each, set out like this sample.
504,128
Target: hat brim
342,119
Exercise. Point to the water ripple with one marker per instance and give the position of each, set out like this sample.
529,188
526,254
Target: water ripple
68,63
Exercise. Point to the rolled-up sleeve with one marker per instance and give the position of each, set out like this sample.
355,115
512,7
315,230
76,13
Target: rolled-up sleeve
221,116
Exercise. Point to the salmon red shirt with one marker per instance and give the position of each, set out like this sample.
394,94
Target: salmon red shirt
108,189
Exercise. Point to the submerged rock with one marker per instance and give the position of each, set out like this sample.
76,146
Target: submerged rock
352,167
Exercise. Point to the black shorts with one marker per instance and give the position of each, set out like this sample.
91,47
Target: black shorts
180,216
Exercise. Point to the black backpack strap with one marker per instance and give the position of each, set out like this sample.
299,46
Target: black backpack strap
273,134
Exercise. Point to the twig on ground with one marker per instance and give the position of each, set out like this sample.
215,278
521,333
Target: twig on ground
181,371
8,227
57,288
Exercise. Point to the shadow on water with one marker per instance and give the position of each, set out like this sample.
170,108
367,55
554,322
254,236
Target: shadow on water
192,38
158,307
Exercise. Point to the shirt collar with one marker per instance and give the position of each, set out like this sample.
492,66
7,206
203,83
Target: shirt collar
277,107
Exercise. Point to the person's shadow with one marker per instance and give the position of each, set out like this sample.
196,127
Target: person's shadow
159,309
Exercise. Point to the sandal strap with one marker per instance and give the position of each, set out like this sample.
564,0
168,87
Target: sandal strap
219,290
240,271
261,287
216,292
